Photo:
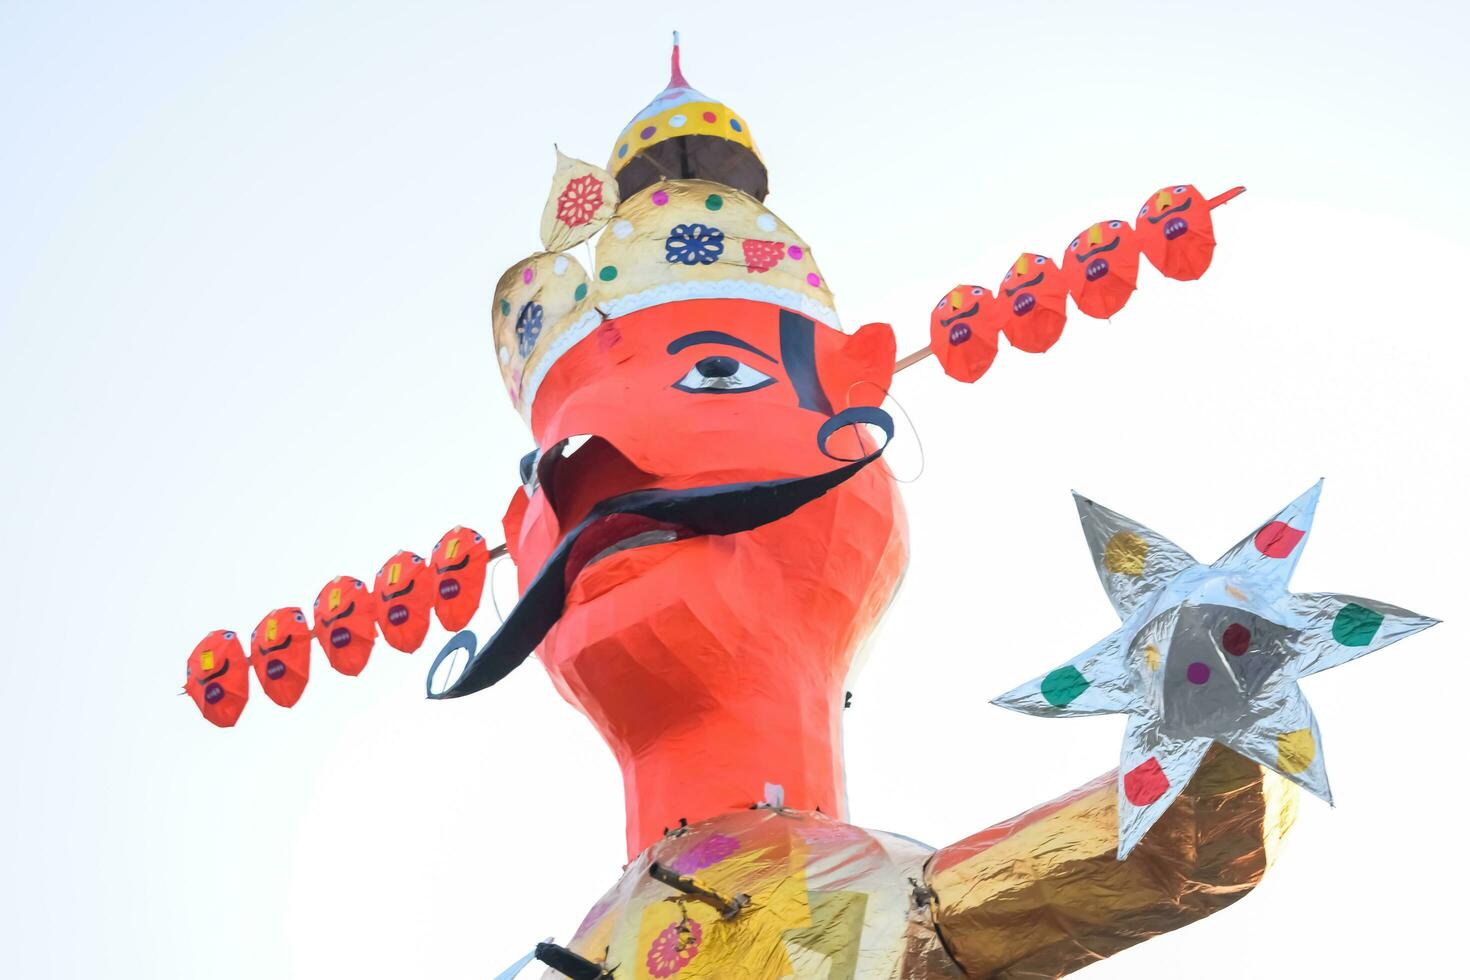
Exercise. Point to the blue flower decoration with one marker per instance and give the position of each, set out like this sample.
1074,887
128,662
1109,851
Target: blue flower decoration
528,328
694,244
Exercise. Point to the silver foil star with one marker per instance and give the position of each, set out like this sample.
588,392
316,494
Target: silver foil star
1208,654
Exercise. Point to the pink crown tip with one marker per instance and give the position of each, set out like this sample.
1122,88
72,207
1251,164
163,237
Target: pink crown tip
676,77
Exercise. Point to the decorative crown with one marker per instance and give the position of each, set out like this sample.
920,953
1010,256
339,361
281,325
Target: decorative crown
683,219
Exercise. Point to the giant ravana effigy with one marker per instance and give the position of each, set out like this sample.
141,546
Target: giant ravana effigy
706,535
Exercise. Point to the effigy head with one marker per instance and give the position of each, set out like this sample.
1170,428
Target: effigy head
705,496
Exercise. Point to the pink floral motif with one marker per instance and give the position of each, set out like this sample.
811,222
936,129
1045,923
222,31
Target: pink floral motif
762,256
673,948
579,201
703,853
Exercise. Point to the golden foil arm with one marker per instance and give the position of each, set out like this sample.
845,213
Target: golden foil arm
1043,894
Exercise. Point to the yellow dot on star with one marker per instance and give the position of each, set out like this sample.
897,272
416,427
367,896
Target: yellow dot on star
1151,656
1124,554
1295,751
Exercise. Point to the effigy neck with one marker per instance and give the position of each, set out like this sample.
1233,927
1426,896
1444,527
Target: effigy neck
724,759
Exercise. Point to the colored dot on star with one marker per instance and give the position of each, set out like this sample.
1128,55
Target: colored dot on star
608,273
1063,686
1236,639
505,307
1278,539
1151,656
714,202
710,117
1198,673
1295,751
660,198
581,292
1125,553
647,132
1355,625
1145,783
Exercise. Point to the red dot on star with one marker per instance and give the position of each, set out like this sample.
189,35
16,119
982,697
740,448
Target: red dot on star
1145,783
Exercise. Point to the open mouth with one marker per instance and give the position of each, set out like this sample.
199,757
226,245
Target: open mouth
616,533
341,636
397,614
959,333
1023,304
635,519
213,693
1175,227
1096,269
275,669
448,588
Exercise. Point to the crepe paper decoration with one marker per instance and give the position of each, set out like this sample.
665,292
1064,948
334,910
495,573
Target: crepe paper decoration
1176,231
217,678
280,651
964,328
459,562
582,199
1100,268
1099,271
1208,654
344,612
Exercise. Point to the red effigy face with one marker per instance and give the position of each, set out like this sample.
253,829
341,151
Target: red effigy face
458,563
281,652
1176,232
344,623
963,329
1035,299
403,593
658,627
1101,268
217,678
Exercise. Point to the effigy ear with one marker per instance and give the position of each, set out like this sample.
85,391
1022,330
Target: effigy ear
581,201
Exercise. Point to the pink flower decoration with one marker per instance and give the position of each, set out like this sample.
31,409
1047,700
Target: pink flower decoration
579,202
672,949
711,850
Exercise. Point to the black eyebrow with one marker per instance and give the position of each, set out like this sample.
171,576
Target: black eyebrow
715,337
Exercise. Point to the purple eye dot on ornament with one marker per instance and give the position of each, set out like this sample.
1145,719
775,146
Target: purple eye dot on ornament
660,198
1198,673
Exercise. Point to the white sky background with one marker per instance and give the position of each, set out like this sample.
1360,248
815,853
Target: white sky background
245,266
